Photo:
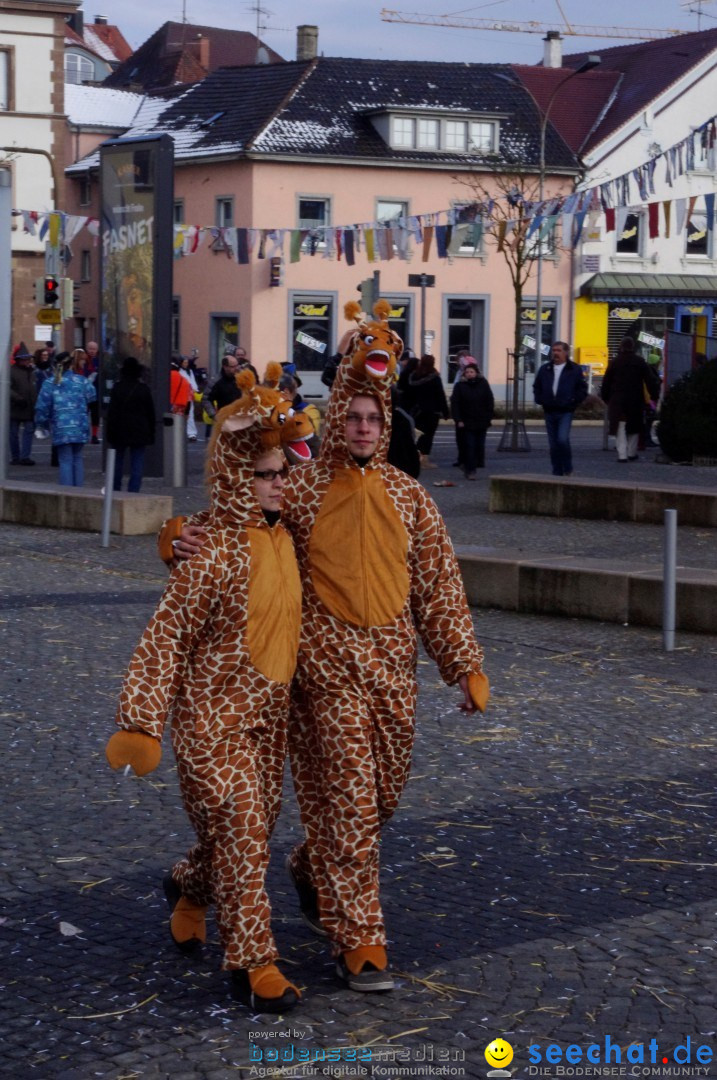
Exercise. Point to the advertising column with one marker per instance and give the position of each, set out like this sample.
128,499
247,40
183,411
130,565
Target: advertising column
137,194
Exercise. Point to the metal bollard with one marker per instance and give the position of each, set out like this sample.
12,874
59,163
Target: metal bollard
669,581
107,504
175,450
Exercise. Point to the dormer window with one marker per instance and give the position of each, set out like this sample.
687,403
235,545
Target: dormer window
454,135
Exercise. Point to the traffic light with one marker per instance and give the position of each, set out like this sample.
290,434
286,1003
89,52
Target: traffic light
51,290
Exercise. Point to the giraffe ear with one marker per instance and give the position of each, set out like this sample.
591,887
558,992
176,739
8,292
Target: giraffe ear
239,421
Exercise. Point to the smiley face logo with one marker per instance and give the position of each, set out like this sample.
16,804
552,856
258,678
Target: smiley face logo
499,1053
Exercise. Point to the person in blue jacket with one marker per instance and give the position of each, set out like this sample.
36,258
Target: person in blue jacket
560,387
62,406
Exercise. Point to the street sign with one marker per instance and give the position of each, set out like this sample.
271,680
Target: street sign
49,316
417,281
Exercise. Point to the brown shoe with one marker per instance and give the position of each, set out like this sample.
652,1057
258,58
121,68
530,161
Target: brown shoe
187,926
264,989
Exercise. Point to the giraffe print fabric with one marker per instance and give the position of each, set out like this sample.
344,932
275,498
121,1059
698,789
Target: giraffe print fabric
378,571
217,660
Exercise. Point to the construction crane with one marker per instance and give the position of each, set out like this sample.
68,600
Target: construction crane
633,33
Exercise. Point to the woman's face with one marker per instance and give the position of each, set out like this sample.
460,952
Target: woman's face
270,489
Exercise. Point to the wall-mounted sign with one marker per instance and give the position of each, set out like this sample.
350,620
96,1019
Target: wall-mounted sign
591,264
529,314
651,340
310,342
626,314
311,309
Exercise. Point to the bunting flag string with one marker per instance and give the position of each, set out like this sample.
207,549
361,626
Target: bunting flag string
459,229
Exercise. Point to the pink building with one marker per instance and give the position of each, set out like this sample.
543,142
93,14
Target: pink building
306,169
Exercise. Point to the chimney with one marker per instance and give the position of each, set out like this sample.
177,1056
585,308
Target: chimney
307,42
101,20
76,21
553,51
203,43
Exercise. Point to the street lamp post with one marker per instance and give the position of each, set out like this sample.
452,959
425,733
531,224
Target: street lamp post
591,62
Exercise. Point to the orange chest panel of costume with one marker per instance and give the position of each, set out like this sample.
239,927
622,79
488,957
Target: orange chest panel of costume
274,604
358,551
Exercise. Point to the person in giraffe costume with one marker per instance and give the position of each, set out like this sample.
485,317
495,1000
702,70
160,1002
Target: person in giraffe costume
218,656
378,571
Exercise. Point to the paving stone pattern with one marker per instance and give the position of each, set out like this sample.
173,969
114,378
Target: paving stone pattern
549,876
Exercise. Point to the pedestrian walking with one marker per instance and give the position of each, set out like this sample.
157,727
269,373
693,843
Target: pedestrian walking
23,395
627,384
560,387
377,568
63,407
218,657
131,423
185,370
425,399
472,406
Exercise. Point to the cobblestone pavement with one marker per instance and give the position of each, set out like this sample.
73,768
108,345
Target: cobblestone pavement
549,876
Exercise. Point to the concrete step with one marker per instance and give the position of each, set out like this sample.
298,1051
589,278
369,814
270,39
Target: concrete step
605,500
56,507
627,592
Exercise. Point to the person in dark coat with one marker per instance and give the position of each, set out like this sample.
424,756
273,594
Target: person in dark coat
402,449
560,387
23,395
130,423
626,383
472,410
425,399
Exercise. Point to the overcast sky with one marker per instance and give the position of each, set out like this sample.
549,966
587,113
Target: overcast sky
355,28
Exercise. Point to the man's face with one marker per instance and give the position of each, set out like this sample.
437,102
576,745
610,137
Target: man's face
364,424
558,353
230,365
92,349
240,355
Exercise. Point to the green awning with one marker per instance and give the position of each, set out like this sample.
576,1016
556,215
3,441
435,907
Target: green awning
652,288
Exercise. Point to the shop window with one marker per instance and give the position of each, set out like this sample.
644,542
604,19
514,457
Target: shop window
629,240
311,330
697,236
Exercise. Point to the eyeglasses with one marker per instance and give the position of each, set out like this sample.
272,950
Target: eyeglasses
374,420
271,474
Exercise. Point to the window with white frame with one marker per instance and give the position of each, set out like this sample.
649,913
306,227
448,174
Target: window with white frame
456,135
78,69
388,211
427,134
314,213
178,211
629,240
697,236
403,132
469,228
85,191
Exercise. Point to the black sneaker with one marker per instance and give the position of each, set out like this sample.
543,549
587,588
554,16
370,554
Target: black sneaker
26,461
174,894
369,978
242,991
308,901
